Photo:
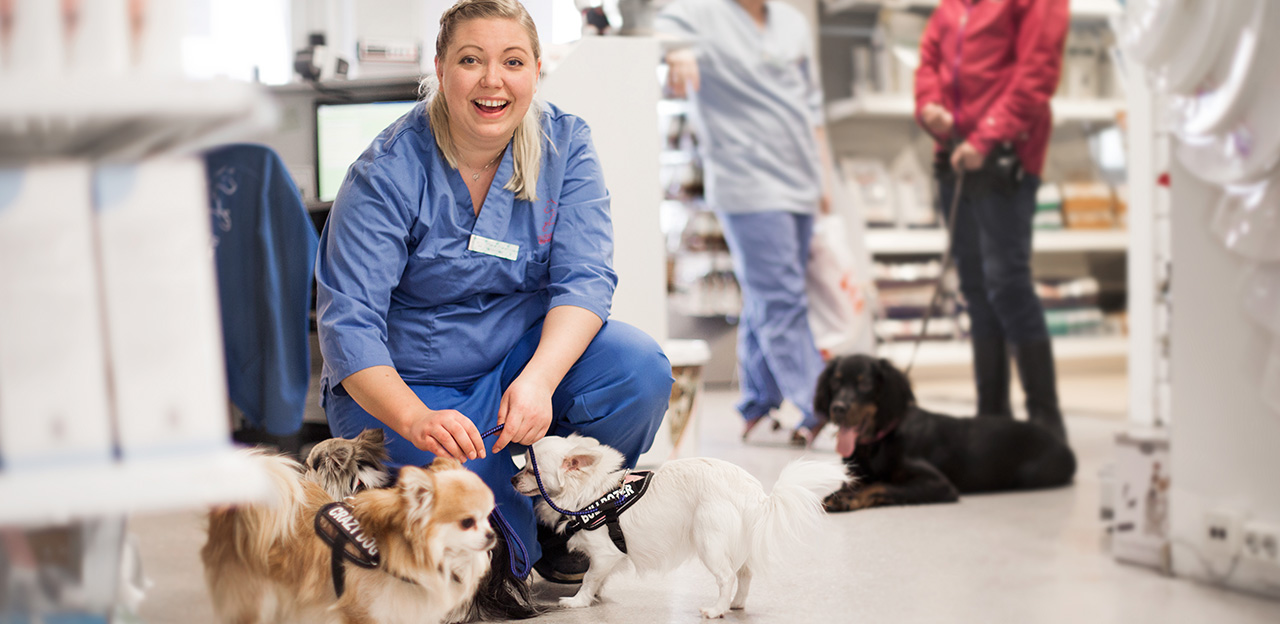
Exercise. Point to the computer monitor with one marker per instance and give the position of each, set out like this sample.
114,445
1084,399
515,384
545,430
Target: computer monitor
343,131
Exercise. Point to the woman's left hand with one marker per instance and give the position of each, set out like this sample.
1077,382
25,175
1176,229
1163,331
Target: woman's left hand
525,412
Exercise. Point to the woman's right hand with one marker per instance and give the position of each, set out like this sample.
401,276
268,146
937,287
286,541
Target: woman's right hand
446,433
937,120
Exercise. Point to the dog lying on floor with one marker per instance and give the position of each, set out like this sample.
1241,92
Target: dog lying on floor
697,506
901,454
427,538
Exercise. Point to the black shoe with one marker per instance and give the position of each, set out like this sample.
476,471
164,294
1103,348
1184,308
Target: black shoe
558,564
566,568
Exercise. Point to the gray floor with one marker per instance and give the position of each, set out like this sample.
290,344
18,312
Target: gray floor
1038,557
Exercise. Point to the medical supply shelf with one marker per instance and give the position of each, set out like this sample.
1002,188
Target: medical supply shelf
124,119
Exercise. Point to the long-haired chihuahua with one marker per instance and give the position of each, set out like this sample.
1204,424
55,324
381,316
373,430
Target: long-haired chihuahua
701,506
429,535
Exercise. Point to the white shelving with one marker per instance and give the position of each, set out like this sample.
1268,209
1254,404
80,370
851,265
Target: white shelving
959,353
125,119
933,241
878,106
63,493
1080,9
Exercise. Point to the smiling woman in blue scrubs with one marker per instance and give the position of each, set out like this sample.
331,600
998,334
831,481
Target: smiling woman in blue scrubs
465,277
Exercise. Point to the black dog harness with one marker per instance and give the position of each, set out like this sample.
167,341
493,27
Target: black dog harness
605,511
339,528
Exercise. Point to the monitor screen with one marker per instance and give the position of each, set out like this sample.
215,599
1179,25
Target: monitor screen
343,131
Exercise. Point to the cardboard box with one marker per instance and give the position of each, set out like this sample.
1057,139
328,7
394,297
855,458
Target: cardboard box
54,407
1088,205
163,325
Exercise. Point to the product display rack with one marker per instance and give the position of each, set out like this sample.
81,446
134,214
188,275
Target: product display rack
125,120
886,115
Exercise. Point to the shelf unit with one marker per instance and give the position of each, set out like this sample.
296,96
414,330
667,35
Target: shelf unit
957,353
1080,9
61,494
893,241
876,106
126,119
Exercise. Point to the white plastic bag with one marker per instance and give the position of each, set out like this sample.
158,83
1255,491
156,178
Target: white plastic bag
838,312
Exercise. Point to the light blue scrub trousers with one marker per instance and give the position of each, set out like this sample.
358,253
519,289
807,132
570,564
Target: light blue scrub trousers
617,392
777,357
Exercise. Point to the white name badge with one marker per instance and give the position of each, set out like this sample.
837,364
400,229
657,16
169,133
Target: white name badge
480,244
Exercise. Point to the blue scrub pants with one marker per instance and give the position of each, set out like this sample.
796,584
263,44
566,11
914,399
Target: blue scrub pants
617,392
992,249
777,357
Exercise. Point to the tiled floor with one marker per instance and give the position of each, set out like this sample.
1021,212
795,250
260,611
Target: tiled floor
1037,557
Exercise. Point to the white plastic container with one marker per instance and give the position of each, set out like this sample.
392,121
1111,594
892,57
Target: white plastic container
169,379
54,407
99,45
37,48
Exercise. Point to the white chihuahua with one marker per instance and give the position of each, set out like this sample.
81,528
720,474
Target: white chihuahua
701,506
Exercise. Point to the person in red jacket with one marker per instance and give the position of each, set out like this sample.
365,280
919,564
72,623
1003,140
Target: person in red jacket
987,71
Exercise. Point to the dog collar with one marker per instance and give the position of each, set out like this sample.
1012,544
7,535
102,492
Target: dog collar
605,511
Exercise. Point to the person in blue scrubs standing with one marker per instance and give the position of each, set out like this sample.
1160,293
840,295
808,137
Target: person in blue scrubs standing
749,70
464,280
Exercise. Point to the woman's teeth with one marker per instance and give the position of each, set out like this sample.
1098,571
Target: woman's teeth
491,105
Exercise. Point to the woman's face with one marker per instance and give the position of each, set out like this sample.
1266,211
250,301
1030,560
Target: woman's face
488,77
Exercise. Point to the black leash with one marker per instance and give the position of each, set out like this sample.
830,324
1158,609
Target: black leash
946,264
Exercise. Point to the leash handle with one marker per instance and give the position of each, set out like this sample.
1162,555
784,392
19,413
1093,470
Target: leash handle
946,264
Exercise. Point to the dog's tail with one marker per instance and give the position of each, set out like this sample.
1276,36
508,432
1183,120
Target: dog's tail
794,508
255,528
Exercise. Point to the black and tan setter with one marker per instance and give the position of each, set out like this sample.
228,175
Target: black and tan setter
904,455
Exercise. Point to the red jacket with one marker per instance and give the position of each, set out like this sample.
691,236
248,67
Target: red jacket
994,64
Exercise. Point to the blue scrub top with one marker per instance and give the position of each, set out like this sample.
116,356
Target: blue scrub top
758,104
397,285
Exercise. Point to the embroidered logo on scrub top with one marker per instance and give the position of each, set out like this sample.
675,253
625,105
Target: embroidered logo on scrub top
548,222
488,246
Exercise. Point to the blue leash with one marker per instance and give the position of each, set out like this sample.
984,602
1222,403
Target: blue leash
537,475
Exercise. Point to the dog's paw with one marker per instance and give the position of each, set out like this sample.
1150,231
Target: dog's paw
711,613
853,498
841,500
575,602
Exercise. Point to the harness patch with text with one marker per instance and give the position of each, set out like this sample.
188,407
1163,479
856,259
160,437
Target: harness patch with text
605,511
341,530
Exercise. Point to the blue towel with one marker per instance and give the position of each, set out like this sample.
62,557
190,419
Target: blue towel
265,245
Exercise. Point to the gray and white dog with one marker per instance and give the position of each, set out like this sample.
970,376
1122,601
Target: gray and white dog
343,467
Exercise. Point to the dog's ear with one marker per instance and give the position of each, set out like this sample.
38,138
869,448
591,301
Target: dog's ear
580,460
822,393
895,390
417,488
374,436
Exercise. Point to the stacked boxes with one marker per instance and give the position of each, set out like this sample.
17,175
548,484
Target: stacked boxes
53,381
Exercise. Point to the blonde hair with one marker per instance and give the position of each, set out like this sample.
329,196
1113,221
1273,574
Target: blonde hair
526,144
